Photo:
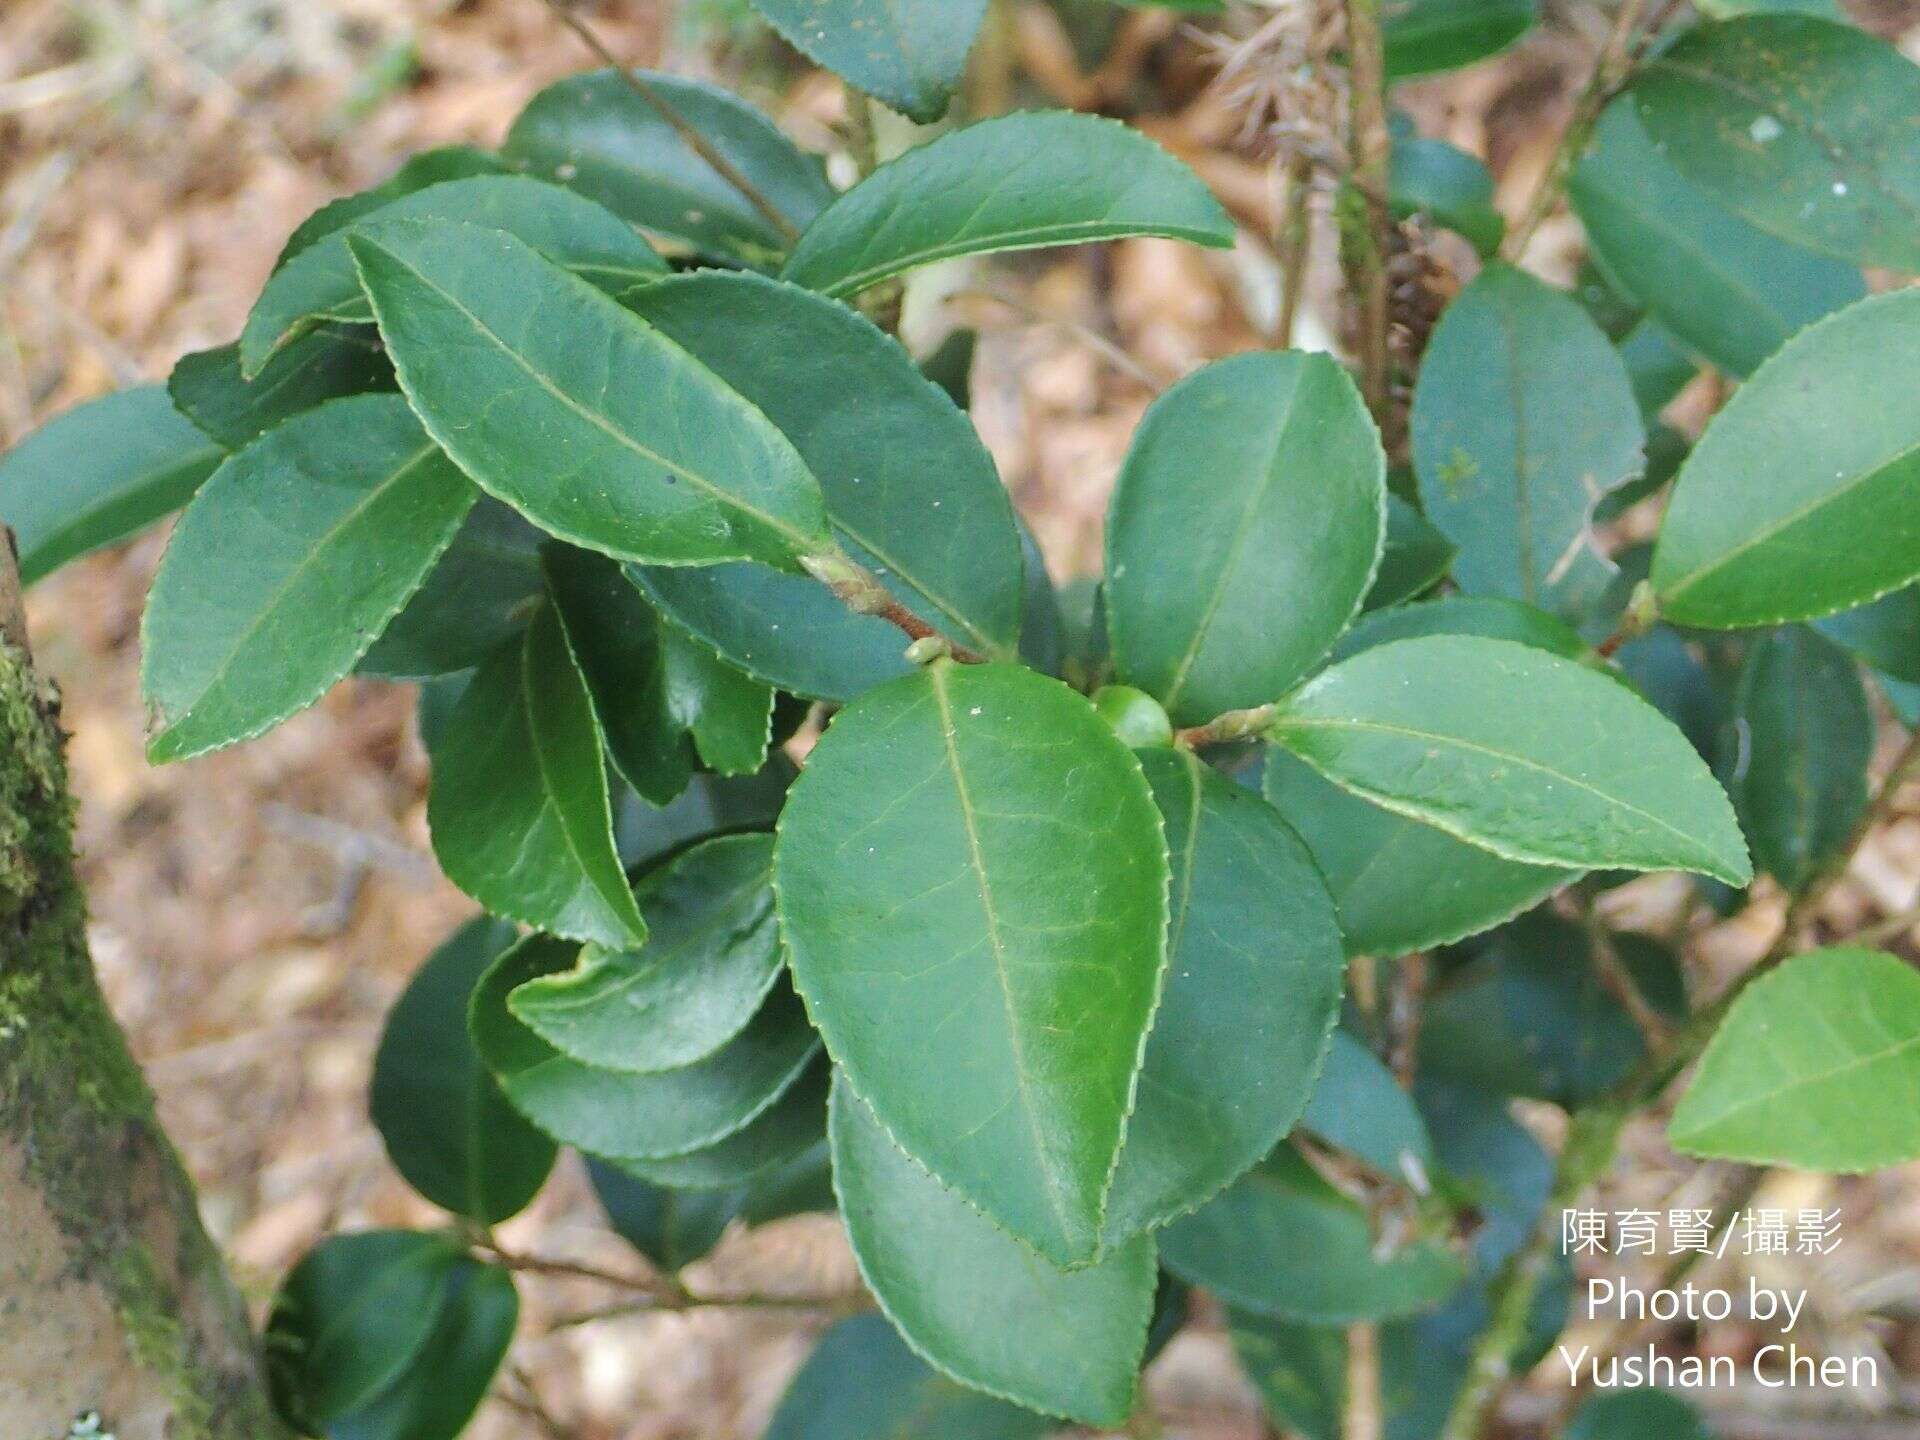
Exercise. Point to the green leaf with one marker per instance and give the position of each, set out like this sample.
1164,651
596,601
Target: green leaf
619,1115
1289,525
1283,1242
672,1228
1254,976
908,53
1657,368
1432,178
1667,673
320,283
1359,1107
1798,124
1803,496
862,1381
1809,1067
556,405
1413,560
993,1017
1531,1014
350,1316
1795,760
478,596
595,133
1636,1414
518,804
726,712
429,167
450,1374
98,474
785,1139
287,564
1019,182
973,1301
621,647
1424,36
208,388
1487,616
1884,634
710,805
1731,291
787,630
447,1127
1522,420
1535,758
712,954
910,488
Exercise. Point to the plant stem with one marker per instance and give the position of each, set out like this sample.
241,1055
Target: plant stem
684,128
1594,1135
1234,725
863,594
1360,1417
1294,245
1370,145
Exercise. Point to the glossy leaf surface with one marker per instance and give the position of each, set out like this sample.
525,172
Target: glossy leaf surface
908,54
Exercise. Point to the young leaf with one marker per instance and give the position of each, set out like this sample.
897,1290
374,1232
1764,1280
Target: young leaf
1359,1107
788,631
908,53
711,956
558,405
1806,1068
98,474
447,1128
289,562
1254,976
1535,758
1795,761
620,1115
1283,1242
1884,634
518,803
208,388
726,712
992,1017
863,1381
1425,36
597,134
1222,596
972,1300
450,1374
910,488
1522,420
1019,182
1803,496
350,1316
1800,125
1731,291
320,284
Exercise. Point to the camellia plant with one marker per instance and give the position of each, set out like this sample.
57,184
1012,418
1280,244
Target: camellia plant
1197,936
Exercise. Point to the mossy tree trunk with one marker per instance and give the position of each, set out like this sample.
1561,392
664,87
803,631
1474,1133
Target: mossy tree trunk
112,1299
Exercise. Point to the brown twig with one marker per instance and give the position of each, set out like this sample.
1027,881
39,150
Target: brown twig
1294,243
1369,236
865,595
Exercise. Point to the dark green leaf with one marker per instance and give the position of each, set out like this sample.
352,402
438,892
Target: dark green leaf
1657,367
909,487
209,390
320,283
1283,1242
1803,496
350,1316
595,133
712,954
710,805
726,712
447,1377
1795,760
1273,555
672,1228
1360,1108
518,805
1019,182
287,564
759,1159
1731,291
1884,634
619,1115
1043,629
976,1303
1536,758
98,474
1432,178
907,53
1799,124
1669,675
1488,616
993,1017
1415,557
950,366
447,1128
1810,1068
1638,1415
1522,420
862,1382
555,406
1423,36
1254,975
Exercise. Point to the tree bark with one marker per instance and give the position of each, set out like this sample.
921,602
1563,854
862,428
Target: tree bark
113,1301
